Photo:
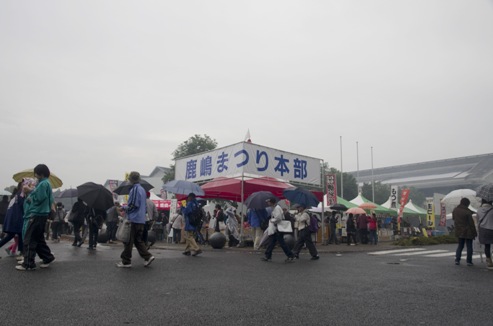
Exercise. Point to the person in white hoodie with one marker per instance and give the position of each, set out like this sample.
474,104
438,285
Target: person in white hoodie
275,236
485,225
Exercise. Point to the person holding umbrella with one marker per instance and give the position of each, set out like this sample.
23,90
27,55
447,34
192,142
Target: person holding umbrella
485,220
274,235
136,212
37,207
304,235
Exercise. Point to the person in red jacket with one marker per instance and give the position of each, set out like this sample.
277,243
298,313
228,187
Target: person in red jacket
372,227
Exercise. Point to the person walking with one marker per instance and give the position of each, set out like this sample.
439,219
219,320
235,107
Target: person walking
13,221
333,228
304,234
151,215
136,212
95,220
37,207
177,223
275,236
465,230
191,246
351,229
372,228
485,226
362,225
57,223
255,218
79,212
112,218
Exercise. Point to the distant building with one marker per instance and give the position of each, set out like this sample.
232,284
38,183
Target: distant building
440,176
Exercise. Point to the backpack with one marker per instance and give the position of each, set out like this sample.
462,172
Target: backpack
196,216
313,227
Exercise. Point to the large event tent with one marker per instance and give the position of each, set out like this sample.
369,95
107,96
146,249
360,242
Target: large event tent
360,199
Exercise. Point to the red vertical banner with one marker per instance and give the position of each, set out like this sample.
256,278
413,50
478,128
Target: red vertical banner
331,189
443,215
403,202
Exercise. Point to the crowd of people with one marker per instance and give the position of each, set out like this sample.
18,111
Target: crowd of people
31,216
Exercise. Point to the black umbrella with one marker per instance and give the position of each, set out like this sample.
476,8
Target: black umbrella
301,196
257,200
339,207
124,188
95,196
68,193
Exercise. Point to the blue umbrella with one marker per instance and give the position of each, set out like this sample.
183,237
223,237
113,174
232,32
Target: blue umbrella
183,187
301,196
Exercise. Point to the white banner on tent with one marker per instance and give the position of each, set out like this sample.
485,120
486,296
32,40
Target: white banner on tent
248,158
394,197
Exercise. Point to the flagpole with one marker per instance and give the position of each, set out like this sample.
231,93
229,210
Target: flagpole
342,178
372,180
357,165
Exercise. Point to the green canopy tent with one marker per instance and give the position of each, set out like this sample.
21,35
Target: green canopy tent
407,212
378,210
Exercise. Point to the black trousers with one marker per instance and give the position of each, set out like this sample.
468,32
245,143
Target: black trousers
77,227
35,243
305,237
273,239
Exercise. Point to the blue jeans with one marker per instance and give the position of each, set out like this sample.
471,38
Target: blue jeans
460,247
373,238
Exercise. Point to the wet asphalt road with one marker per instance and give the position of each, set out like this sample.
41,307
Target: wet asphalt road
236,288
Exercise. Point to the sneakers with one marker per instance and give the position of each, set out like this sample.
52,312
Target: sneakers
186,253
265,259
10,253
470,264
22,268
489,263
457,262
122,265
296,256
315,257
289,260
46,265
149,261
198,252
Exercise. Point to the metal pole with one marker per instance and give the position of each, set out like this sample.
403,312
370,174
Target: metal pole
342,178
322,174
372,180
357,165
242,242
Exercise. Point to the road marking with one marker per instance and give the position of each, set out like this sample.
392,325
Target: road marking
446,254
375,253
421,253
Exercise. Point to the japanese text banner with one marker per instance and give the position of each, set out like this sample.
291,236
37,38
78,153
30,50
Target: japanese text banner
248,158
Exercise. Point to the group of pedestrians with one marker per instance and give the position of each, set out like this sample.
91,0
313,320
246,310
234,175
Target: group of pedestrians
361,229
466,230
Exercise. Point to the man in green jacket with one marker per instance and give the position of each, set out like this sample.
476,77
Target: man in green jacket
37,207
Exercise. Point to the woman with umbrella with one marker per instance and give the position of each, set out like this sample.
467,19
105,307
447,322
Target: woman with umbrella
485,220
304,236
37,207
275,236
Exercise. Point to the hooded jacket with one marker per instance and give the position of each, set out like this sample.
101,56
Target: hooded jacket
464,224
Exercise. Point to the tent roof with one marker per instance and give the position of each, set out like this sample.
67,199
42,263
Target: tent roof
407,211
230,188
415,208
379,210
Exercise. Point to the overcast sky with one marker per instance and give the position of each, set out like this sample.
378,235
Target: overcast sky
95,89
